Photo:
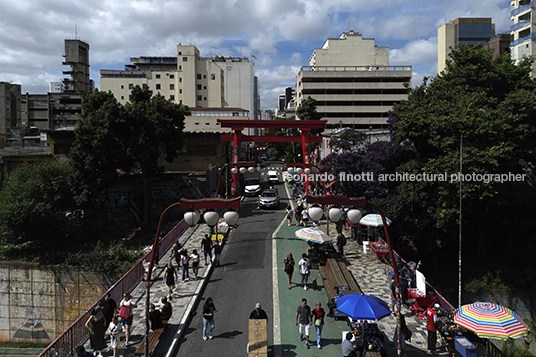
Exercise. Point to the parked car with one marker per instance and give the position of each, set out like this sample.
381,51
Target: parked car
269,198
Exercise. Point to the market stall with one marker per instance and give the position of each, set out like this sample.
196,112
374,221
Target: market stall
422,301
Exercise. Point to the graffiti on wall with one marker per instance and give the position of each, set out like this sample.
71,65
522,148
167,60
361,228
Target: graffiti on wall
119,199
31,329
164,193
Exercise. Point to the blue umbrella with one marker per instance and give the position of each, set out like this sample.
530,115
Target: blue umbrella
363,307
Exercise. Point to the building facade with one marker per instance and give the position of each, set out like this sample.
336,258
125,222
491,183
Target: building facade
470,31
189,79
352,82
523,31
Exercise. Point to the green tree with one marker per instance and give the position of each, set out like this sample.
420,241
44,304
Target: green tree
307,111
37,205
112,138
489,105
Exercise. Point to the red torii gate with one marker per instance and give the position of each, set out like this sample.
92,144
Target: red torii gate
304,126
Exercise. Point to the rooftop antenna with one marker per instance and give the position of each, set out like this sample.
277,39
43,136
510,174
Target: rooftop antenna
215,48
75,32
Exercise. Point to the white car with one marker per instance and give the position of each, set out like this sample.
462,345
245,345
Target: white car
273,177
252,186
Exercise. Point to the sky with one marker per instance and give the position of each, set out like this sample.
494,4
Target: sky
281,34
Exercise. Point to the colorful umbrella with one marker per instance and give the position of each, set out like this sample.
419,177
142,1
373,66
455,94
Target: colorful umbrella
363,307
374,220
312,234
490,320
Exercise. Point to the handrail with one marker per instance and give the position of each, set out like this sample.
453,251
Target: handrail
76,334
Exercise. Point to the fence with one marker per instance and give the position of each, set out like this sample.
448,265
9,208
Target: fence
76,334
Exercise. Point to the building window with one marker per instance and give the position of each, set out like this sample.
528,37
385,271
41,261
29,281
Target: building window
235,114
204,76
180,91
180,79
145,85
199,97
171,76
185,59
196,123
122,97
172,97
180,68
180,53
130,86
199,86
157,76
158,86
205,98
213,76
199,76
172,86
122,86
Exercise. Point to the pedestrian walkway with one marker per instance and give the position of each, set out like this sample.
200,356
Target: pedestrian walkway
372,276
185,298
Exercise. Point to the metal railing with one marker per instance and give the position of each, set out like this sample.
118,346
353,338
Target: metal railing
522,8
76,334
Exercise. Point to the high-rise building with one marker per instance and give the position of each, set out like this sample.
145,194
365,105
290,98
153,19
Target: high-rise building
189,79
77,57
469,31
352,82
523,31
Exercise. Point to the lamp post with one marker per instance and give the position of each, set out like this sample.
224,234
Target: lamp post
231,217
354,218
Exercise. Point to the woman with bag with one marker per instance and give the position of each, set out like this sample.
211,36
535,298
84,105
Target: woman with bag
125,313
96,324
289,267
318,317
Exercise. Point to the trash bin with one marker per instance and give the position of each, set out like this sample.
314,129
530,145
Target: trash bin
366,247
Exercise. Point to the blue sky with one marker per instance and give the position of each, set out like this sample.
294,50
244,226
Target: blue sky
282,34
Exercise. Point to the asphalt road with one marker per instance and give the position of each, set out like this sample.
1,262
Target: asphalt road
243,279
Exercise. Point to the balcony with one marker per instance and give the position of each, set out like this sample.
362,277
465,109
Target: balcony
520,40
519,25
521,9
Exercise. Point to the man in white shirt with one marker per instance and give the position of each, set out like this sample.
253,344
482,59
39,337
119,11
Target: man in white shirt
304,265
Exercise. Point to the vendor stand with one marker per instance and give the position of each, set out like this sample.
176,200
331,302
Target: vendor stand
381,249
422,301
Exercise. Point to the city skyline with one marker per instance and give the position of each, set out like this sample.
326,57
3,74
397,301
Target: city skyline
279,36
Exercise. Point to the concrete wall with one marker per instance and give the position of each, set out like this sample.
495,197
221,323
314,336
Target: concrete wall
39,302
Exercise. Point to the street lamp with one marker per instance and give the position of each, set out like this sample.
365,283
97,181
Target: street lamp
241,167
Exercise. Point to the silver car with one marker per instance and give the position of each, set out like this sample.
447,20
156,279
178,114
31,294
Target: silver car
269,198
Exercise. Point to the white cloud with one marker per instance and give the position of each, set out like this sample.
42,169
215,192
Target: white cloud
415,53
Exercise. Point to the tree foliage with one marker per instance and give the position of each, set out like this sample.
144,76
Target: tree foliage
485,108
112,138
37,205
307,111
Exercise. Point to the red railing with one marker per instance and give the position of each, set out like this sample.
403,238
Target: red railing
77,334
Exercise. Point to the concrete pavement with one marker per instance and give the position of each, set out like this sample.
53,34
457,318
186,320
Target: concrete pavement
370,274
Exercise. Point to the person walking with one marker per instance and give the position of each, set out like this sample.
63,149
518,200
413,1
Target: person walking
318,321
114,329
96,324
217,253
258,313
289,215
289,267
194,257
109,308
303,317
431,320
304,265
208,319
305,217
341,242
170,274
206,247
392,292
129,304
185,259
404,332
403,281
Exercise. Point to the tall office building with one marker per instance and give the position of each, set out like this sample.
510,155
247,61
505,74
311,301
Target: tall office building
470,31
352,82
189,79
523,31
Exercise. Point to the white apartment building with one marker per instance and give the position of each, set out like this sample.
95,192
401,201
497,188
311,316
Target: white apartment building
352,82
523,31
189,79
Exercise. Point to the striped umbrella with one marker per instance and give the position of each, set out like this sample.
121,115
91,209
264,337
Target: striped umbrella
490,320
312,234
374,220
